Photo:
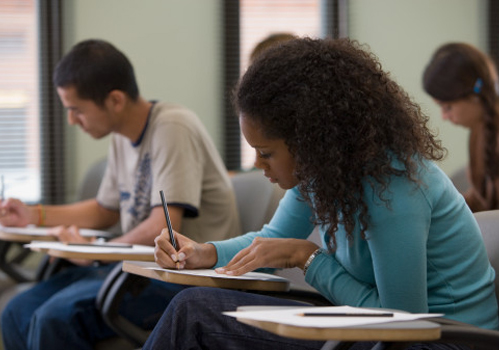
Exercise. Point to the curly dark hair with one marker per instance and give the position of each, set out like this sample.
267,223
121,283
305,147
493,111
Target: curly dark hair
452,74
343,119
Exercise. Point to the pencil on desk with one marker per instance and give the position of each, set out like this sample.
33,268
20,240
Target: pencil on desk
168,223
346,314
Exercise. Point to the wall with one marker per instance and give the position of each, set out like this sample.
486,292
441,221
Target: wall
175,48
404,34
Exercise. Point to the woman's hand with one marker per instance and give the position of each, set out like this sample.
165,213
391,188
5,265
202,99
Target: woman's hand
270,252
13,212
191,255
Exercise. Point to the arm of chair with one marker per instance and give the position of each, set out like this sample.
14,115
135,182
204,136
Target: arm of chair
11,261
462,333
109,299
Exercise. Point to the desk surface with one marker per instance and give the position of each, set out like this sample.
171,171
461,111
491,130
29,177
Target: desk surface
61,250
24,238
28,234
415,330
152,270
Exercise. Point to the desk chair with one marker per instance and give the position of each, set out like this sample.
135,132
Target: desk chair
460,179
457,332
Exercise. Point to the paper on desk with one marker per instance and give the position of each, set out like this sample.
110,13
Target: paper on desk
43,231
100,249
290,316
211,273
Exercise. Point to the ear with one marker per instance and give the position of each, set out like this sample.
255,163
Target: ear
116,101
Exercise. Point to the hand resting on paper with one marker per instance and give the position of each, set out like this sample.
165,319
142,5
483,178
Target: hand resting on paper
71,234
270,252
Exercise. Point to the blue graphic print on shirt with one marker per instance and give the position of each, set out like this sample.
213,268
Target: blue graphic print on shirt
139,207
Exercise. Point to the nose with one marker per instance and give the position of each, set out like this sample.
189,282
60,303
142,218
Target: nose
72,119
260,163
445,114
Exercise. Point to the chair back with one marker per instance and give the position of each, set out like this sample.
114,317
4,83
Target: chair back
91,182
489,226
257,199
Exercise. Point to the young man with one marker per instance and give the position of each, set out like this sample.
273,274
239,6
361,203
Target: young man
155,146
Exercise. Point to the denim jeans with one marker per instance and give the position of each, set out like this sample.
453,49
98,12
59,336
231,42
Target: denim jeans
60,313
194,320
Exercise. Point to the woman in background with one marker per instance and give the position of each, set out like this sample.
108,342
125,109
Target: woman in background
463,82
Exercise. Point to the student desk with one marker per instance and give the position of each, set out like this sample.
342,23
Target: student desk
12,254
387,335
28,234
94,252
266,282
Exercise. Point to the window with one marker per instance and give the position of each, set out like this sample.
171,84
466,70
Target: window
247,22
24,99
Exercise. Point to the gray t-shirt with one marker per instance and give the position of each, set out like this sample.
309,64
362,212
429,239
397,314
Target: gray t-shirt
174,154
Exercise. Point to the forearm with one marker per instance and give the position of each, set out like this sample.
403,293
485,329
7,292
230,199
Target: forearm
86,214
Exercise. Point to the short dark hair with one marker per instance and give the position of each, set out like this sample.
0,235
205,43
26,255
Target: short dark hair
95,68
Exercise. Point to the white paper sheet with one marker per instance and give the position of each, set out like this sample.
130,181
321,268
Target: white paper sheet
43,231
291,316
211,273
99,248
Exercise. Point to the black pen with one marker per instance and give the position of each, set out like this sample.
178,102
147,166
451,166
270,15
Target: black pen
346,314
169,224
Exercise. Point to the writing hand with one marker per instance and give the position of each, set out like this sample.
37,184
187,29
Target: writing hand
190,254
270,252
13,212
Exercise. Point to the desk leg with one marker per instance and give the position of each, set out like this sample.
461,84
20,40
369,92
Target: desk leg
336,345
342,345
390,345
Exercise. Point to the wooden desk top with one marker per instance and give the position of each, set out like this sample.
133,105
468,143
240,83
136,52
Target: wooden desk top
416,330
393,331
24,238
62,250
28,234
145,269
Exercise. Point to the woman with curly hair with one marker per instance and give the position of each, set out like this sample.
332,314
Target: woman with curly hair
463,82
357,159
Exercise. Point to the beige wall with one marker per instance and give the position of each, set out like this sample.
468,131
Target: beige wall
404,34
175,47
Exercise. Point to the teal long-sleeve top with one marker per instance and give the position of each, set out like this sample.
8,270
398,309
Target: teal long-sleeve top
423,252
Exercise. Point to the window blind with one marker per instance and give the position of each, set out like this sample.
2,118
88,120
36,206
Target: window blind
27,29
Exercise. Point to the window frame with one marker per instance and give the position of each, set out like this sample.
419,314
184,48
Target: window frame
52,125
335,25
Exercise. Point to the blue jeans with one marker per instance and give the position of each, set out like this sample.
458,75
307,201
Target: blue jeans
194,320
60,313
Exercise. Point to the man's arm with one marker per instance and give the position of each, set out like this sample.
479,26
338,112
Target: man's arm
88,214
147,230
